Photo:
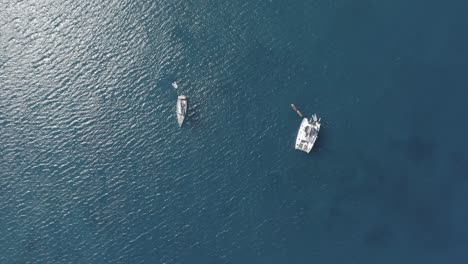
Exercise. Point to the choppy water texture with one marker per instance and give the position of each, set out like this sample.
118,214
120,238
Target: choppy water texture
94,168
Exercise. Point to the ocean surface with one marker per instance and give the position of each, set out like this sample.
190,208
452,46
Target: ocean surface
95,169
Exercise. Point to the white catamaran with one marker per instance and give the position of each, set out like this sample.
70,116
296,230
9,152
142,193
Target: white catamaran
181,109
308,133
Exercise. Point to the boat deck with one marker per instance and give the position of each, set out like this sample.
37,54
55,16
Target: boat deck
307,135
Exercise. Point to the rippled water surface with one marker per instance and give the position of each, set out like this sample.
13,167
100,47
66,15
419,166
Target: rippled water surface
94,168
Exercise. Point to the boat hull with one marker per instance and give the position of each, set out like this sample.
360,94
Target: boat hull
181,109
307,135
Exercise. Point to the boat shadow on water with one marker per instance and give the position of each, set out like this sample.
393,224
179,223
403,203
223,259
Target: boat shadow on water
193,116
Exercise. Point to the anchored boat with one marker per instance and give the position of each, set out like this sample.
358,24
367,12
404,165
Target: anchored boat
308,133
181,109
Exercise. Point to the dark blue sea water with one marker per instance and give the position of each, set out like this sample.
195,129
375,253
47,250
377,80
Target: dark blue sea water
94,168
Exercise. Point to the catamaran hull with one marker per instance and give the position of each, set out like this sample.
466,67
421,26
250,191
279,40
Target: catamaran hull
307,134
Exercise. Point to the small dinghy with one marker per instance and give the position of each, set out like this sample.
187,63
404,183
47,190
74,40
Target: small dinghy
181,109
174,84
297,110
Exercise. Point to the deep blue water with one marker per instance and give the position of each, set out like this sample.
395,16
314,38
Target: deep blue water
94,168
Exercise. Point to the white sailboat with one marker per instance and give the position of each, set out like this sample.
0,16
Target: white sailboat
181,109
308,133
